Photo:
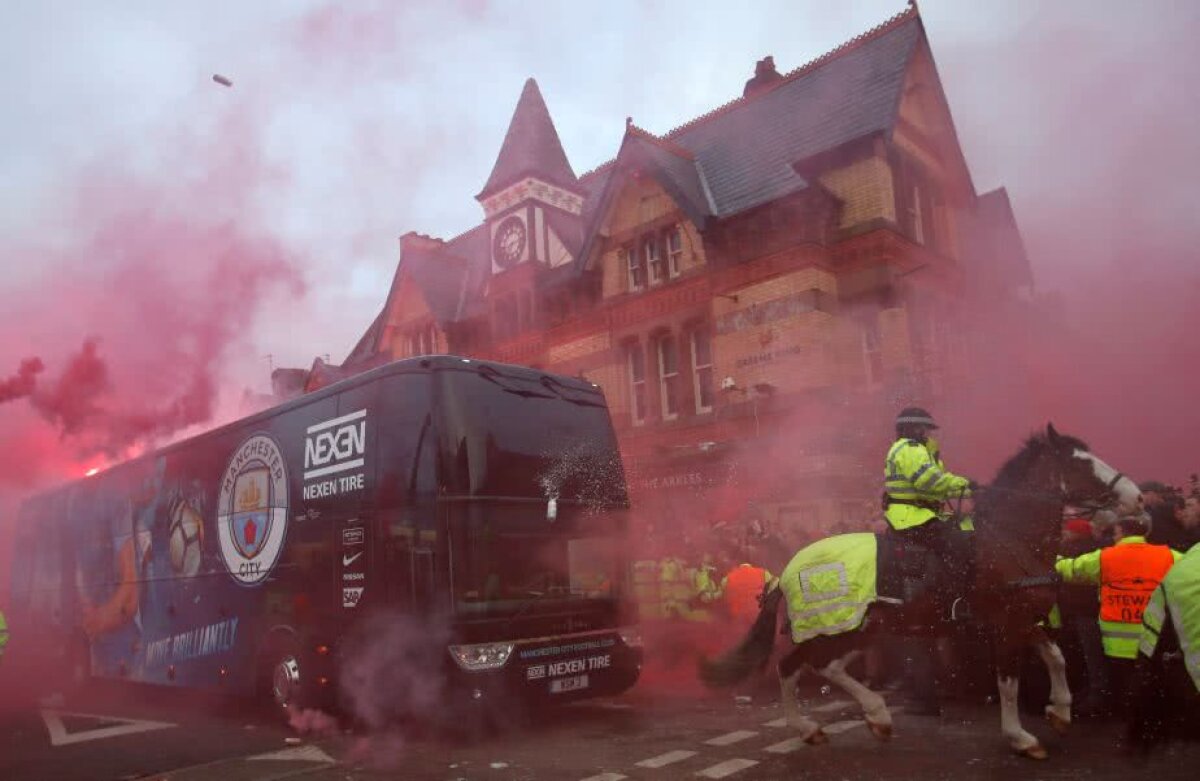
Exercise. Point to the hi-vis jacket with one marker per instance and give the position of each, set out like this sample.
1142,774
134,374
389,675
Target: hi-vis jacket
1179,597
917,483
742,586
1127,573
3,633
830,584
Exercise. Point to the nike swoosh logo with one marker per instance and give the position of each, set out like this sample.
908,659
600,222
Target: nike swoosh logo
348,560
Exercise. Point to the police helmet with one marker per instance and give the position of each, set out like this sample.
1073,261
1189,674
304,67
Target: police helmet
910,416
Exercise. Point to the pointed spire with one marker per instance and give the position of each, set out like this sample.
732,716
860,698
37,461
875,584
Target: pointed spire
531,147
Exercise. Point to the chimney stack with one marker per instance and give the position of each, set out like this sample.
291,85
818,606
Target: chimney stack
420,241
764,76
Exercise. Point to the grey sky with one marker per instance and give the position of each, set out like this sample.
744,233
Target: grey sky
368,119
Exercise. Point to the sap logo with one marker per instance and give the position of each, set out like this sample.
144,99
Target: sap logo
336,445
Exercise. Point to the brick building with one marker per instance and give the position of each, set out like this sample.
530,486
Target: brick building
756,290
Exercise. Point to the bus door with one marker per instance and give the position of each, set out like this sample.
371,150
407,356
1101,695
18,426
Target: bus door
407,567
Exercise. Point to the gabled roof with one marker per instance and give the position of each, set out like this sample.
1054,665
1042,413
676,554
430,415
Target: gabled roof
734,158
439,276
998,253
531,147
676,170
369,343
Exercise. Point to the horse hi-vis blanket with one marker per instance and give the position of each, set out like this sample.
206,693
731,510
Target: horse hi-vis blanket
829,585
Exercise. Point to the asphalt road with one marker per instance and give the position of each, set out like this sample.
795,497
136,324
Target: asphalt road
136,733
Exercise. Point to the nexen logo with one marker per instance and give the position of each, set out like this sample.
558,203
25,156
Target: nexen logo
336,445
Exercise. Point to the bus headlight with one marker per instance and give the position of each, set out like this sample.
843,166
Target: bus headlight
484,656
631,636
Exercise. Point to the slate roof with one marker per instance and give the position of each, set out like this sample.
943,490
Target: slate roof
747,148
733,158
530,145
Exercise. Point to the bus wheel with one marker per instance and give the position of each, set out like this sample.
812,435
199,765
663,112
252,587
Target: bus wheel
285,678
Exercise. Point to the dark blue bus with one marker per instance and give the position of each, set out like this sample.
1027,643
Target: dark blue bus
485,504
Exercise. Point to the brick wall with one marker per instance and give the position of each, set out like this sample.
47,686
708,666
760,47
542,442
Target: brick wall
866,187
773,334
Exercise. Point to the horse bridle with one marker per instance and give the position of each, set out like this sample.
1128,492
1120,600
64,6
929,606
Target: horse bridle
1022,556
1091,506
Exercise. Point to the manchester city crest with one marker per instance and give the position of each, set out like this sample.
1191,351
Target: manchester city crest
252,510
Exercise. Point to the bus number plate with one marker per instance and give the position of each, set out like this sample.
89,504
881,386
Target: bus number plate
574,683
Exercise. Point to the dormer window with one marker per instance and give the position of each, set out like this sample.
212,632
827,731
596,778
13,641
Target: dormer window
675,251
652,251
636,269
915,217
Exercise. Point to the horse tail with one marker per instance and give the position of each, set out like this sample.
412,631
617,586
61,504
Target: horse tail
736,664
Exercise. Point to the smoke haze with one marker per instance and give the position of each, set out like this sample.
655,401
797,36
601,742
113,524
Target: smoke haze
161,234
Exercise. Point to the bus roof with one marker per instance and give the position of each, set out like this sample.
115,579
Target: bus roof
428,363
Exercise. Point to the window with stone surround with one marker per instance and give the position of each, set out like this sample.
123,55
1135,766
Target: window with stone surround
872,345
700,340
675,251
635,362
421,340
918,201
652,251
635,268
667,349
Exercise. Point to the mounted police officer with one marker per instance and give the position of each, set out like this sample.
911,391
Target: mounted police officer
917,485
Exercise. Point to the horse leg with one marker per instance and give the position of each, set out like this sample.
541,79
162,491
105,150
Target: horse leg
791,667
875,710
1058,712
1007,681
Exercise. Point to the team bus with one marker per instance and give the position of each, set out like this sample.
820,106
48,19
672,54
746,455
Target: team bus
484,504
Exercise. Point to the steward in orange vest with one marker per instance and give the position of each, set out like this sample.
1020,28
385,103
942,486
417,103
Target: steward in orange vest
1127,573
742,586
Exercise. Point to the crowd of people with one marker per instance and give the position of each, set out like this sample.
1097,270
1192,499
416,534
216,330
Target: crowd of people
1116,603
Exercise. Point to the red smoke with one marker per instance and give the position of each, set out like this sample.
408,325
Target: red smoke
137,309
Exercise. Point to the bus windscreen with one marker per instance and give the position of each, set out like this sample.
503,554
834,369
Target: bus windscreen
521,435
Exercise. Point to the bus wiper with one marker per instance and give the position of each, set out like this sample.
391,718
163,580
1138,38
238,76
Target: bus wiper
490,374
553,385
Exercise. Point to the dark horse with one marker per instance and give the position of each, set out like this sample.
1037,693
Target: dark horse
1010,590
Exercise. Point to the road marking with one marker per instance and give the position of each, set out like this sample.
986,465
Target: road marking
60,737
833,706
297,754
786,746
776,723
730,738
727,768
606,777
843,726
669,758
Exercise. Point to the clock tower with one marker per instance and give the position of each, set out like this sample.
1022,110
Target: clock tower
532,201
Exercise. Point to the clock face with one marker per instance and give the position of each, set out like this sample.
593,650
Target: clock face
509,242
